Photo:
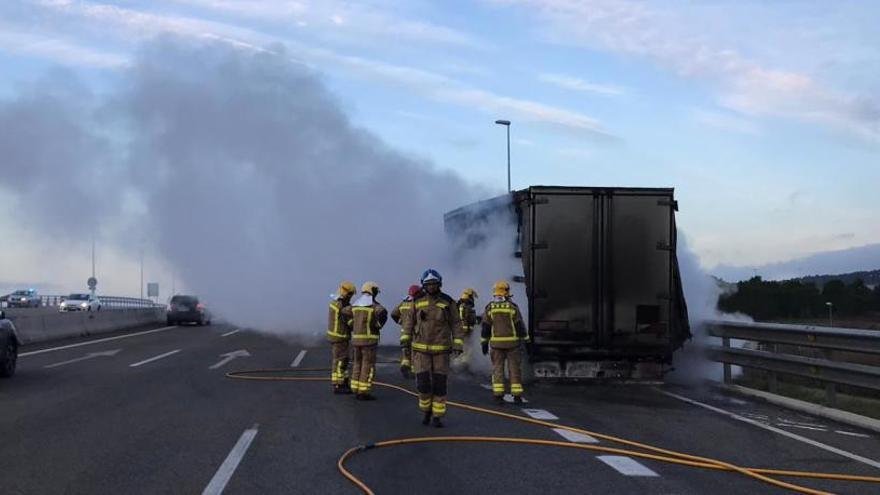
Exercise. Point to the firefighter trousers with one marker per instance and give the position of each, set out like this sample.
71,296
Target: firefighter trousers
513,358
339,366
431,372
363,369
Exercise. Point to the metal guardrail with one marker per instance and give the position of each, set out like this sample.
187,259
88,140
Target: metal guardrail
108,302
774,360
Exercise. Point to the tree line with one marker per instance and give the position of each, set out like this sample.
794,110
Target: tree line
769,300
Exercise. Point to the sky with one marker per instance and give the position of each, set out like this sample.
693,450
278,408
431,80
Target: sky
764,116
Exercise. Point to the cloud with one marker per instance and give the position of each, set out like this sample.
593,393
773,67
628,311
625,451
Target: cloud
575,84
725,122
823,263
133,25
744,84
363,22
57,49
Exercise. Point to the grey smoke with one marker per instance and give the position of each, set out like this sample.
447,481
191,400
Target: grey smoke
241,169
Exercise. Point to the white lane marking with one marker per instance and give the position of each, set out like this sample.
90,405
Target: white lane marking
540,414
852,434
154,358
226,470
107,339
486,386
626,466
88,356
800,423
573,436
509,398
229,356
227,334
793,436
803,427
298,359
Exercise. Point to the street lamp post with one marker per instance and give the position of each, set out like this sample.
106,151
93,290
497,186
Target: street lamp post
506,123
830,312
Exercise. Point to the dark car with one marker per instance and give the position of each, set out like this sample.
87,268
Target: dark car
187,309
8,347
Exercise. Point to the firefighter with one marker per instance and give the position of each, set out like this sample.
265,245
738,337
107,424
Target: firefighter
339,335
402,314
435,332
504,330
468,317
368,318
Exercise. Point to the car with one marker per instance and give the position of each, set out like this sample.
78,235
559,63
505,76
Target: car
80,302
187,309
25,298
9,343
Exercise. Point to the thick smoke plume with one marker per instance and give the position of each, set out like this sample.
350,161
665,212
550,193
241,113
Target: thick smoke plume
701,291
244,173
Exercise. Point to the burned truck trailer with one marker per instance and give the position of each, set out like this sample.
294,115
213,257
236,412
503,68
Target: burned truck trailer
601,275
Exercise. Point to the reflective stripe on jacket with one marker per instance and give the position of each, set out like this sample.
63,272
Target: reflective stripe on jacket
402,315
503,325
367,321
339,327
435,327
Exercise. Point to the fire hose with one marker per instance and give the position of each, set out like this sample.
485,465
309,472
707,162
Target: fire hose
645,451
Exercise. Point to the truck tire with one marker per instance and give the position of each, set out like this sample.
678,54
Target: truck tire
8,357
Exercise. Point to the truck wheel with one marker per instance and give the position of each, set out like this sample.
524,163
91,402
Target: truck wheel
8,358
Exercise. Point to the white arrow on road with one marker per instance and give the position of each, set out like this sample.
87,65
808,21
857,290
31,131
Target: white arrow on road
229,356
91,355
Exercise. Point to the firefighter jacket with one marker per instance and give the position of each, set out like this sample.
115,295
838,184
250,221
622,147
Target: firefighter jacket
503,325
368,317
435,327
402,315
467,314
339,326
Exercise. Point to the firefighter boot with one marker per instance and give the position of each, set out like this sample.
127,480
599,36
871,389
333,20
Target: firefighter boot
517,399
345,387
426,419
438,423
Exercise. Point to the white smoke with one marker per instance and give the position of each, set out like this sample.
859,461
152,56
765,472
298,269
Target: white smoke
245,174
701,292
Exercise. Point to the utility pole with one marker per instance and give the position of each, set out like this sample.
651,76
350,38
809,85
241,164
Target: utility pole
142,273
506,123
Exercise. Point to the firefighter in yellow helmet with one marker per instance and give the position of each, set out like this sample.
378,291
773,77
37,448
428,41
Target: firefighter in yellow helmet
435,332
503,331
368,318
339,335
402,315
468,317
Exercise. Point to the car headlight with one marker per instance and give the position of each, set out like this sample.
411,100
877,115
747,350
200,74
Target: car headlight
23,299
84,305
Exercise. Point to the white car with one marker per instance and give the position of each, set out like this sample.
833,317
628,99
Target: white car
80,302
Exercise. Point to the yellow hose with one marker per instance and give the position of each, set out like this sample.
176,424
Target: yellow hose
669,456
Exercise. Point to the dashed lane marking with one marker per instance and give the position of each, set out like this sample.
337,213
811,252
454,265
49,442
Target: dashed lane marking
852,434
227,334
97,341
573,436
540,414
626,466
154,358
298,359
227,469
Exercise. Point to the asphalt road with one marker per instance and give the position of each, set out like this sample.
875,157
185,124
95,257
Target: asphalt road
154,413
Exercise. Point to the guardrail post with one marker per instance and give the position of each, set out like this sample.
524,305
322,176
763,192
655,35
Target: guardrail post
725,341
830,388
771,375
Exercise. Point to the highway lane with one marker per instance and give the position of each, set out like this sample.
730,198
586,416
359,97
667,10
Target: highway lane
174,424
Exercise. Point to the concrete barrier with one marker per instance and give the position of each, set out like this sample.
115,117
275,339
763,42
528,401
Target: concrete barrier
44,324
